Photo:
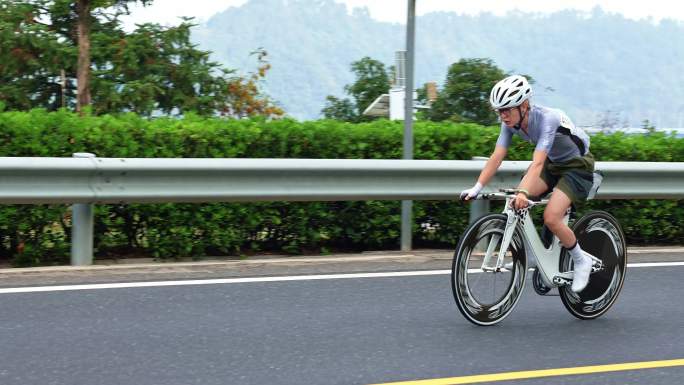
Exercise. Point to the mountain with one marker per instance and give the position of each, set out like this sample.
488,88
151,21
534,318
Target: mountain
596,66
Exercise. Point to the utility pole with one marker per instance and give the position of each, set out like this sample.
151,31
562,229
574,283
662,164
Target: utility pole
406,205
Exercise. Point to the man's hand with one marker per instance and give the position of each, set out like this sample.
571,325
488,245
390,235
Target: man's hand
520,201
471,193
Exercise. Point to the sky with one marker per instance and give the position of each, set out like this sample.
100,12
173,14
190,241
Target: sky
166,12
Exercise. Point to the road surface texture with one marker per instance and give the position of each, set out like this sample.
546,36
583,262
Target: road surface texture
370,330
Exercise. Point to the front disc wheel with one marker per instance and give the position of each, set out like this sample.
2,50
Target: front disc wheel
485,296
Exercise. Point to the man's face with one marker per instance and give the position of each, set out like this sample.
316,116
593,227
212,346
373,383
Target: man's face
509,116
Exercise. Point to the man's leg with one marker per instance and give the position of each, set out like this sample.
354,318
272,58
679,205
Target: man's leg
539,188
553,218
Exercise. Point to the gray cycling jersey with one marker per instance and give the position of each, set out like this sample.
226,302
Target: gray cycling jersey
552,132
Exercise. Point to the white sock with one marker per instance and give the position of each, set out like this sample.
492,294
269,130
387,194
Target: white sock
576,252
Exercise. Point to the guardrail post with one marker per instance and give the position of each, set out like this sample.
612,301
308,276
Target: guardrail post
82,223
478,208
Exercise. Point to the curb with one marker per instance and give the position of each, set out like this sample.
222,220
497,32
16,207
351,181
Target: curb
375,256
234,263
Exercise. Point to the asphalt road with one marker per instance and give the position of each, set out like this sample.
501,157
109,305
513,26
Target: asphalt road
329,331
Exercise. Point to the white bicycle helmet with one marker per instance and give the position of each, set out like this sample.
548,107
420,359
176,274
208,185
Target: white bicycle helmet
510,92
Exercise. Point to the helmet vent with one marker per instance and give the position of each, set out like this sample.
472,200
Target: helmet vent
510,92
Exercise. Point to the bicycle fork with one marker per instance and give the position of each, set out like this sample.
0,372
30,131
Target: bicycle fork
511,223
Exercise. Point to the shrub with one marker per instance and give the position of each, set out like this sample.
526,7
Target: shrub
39,234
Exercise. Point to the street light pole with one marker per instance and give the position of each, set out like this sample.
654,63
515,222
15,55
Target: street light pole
407,205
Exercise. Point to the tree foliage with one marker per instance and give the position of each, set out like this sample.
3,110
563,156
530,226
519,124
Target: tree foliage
465,95
31,58
372,80
244,98
339,109
152,70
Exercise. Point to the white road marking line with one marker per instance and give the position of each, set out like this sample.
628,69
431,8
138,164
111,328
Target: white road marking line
220,281
655,264
36,289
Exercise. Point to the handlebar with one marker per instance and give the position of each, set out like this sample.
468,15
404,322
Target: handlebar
508,194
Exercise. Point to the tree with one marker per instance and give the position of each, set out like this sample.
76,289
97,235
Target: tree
84,14
372,80
465,96
648,126
339,109
85,10
158,70
32,58
151,70
244,95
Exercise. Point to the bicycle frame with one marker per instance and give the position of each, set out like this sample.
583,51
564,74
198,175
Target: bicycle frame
486,290
547,259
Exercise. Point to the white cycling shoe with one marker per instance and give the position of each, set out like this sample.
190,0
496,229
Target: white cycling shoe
582,271
581,274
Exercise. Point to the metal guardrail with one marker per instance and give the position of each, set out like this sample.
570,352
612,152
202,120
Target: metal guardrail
154,180
111,180
88,180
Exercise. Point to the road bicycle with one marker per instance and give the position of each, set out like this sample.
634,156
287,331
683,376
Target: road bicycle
490,263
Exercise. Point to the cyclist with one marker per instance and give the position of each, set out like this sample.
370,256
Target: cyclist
561,163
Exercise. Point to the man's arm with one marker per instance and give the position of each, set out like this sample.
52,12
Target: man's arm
487,172
492,165
533,172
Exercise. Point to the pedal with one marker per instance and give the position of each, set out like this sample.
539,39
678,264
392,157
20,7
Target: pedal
597,266
561,281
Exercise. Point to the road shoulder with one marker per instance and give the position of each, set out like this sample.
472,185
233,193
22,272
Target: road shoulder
265,265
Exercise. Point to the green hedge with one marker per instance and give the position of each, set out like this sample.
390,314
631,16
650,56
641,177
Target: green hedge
32,235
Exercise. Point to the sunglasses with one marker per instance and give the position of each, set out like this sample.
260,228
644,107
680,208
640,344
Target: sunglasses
504,111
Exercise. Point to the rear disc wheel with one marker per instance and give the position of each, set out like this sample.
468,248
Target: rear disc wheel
599,234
